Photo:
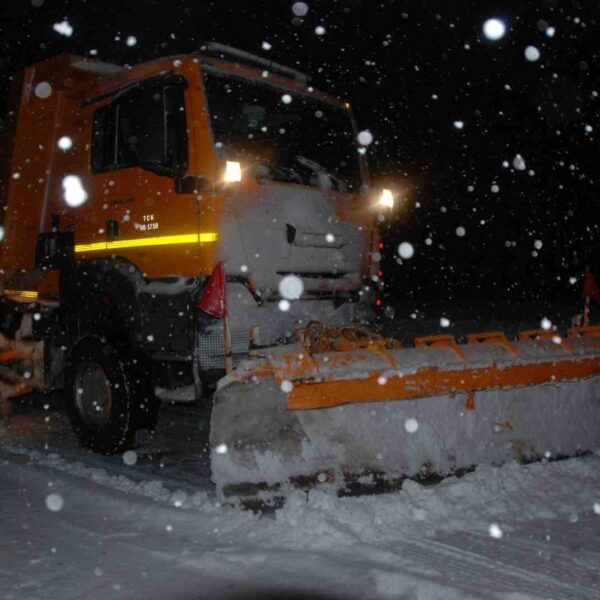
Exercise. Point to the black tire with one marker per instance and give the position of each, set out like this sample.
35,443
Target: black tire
108,396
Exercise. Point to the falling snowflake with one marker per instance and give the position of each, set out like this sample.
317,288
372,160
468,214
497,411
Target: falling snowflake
54,502
178,498
286,386
65,143
365,137
411,425
461,231
532,54
495,531
64,28
221,449
494,29
43,90
74,193
130,457
406,250
300,9
459,124
519,163
291,287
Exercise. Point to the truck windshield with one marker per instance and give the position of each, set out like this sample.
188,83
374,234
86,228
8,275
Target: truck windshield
282,135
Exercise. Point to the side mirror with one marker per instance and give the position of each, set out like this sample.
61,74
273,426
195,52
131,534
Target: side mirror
192,184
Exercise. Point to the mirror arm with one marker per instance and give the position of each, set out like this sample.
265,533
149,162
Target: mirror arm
192,184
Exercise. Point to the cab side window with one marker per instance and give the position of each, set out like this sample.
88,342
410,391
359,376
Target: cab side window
143,126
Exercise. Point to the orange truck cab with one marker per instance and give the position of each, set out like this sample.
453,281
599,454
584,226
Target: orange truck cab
126,186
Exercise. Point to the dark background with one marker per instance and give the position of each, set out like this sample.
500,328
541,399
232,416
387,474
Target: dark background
389,58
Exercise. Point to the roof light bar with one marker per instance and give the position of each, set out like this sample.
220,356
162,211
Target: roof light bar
252,59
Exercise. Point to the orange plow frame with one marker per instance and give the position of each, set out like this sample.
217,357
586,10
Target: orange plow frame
12,383
311,389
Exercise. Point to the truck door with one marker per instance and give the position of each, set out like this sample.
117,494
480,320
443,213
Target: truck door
139,149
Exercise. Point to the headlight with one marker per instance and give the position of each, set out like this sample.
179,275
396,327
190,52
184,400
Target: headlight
233,171
386,199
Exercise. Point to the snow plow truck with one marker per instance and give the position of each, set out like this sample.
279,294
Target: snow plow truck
205,222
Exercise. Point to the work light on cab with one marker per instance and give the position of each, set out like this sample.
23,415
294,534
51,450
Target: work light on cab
233,171
386,199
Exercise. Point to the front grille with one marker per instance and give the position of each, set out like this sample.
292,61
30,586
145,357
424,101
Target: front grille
211,347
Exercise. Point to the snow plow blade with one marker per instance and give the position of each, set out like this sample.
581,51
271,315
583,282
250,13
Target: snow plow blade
21,371
365,412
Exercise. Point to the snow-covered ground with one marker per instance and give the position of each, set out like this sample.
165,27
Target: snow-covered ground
75,525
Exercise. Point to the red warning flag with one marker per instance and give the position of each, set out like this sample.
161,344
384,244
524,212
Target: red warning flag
590,287
214,297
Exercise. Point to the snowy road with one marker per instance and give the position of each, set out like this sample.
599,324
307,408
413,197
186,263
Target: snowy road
152,531
177,454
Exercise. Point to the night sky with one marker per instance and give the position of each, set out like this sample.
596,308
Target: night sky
411,70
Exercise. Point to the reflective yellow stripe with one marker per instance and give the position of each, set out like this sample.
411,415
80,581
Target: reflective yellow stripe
29,294
162,240
208,236
90,247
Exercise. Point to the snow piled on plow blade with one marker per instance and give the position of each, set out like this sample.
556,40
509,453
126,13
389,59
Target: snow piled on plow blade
258,442
268,444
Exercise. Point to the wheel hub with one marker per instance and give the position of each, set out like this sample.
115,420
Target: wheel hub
93,396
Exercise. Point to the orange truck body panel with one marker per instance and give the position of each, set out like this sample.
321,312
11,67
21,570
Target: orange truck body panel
186,243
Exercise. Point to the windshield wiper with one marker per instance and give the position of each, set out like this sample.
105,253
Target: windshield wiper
260,167
278,171
340,184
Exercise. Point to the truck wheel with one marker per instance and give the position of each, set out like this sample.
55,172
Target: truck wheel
108,400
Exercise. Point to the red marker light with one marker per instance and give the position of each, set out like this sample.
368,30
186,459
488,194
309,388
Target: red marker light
380,274
214,296
380,245
378,302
